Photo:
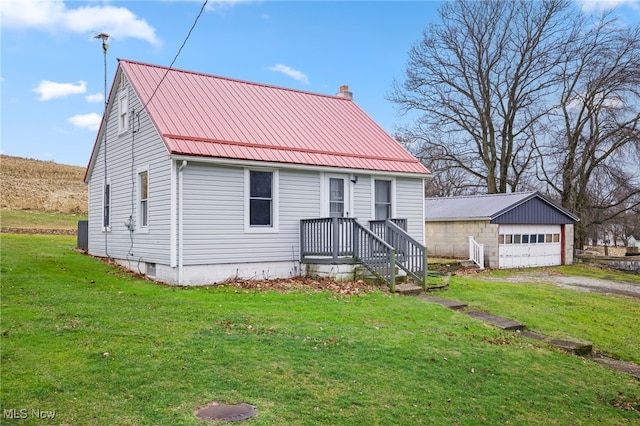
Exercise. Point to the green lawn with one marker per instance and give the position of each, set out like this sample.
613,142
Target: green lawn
101,347
39,220
609,322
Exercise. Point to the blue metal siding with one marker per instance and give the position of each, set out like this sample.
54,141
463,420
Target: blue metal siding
535,212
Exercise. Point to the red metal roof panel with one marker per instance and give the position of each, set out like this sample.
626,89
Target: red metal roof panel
204,115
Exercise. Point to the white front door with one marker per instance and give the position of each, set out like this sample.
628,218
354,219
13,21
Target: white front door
338,195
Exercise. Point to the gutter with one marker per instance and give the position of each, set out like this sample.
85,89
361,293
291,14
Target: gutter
296,166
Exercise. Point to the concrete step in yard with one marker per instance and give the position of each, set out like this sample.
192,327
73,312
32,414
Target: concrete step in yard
447,303
571,346
579,348
503,323
624,366
408,288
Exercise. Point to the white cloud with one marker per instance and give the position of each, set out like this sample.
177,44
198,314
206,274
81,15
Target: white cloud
96,97
600,5
295,74
87,121
54,16
610,102
50,89
221,4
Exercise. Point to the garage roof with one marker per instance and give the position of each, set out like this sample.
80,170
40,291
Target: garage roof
517,208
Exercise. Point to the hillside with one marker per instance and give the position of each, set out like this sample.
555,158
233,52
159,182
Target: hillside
42,186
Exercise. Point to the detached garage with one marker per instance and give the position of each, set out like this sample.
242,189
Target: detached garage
500,230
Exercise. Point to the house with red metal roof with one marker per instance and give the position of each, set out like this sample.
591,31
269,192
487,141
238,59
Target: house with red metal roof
196,179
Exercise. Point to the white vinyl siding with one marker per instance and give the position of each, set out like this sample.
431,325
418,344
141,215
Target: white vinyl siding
214,216
126,155
362,200
407,193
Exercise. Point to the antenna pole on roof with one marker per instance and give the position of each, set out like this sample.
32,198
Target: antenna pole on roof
104,37
106,215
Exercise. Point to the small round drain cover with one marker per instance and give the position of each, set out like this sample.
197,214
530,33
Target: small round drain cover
226,412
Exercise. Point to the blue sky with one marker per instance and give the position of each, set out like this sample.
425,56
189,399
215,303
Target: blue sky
52,70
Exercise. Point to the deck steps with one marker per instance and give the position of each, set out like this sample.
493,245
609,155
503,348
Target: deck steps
362,273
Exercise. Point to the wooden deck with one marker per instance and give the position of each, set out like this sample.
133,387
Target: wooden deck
381,248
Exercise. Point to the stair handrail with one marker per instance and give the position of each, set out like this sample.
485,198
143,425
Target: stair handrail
476,252
375,254
411,255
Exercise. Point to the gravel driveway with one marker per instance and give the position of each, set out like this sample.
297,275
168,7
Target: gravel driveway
577,283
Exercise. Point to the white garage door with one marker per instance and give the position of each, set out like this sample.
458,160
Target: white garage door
529,245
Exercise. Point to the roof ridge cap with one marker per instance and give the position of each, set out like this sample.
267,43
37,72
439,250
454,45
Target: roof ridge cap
484,195
236,80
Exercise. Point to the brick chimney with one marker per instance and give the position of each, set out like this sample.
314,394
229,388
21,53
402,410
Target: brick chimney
344,92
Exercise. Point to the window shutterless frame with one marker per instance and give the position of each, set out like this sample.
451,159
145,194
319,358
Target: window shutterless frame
123,110
106,206
261,201
382,199
142,224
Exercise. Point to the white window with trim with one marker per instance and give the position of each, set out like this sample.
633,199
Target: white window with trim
382,199
143,200
106,206
123,111
261,201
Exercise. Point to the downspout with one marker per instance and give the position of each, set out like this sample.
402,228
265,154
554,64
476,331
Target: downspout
181,222
173,222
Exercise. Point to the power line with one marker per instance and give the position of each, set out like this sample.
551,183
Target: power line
177,54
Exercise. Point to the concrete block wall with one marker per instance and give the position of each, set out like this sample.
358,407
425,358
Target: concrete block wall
568,246
451,239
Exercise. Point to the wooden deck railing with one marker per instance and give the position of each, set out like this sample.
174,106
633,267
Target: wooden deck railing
375,254
379,227
411,256
380,249
327,237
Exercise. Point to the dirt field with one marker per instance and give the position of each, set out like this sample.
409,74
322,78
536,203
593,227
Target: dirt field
27,184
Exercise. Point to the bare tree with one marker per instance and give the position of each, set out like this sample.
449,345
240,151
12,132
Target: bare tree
480,81
591,159
446,180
